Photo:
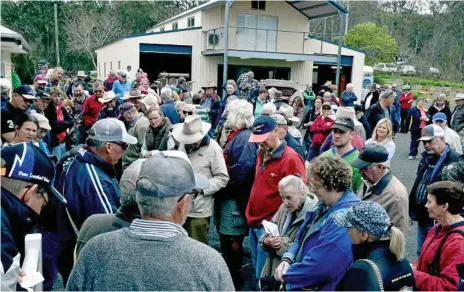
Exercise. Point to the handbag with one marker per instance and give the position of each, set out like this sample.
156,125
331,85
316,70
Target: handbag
433,267
377,272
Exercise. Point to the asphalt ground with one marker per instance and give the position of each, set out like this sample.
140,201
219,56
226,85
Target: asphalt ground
402,168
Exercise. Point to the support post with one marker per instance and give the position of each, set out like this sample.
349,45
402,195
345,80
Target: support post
226,46
339,55
57,45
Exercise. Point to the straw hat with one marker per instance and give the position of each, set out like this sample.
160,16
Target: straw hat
287,111
191,130
150,101
108,96
81,74
209,84
133,93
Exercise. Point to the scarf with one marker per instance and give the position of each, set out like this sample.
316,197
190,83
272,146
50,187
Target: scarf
59,118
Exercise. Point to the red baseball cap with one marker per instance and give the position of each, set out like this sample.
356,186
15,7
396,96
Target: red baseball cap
40,78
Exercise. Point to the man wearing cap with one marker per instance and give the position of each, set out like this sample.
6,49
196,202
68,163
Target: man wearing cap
21,99
457,118
42,67
27,187
138,127
55,80
287,112
207,159
90,111
155,251
80,80
41,103
134,96
282,131
378,250
383,109
110,108
275,161
381,185
127,212
121,86
86,177
169,107
211,102
40,81
451,137
437,155
406,99
342,135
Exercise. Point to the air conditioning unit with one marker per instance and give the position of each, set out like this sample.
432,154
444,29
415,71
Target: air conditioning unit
213,41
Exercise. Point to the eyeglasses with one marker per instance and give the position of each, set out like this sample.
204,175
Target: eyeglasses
39,191
98,91
193,194
187,113
121,144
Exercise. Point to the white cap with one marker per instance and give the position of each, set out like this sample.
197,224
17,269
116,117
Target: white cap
42,120
459,96
111,130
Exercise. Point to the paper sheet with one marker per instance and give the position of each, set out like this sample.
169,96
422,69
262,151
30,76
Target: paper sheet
29,281
271,228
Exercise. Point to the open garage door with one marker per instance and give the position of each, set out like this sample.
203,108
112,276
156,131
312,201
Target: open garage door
155,58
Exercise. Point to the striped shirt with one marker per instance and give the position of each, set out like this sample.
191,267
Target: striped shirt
162,229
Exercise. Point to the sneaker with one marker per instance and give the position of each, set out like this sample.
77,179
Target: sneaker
411,157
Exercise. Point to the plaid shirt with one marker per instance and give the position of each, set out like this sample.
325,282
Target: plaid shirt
49,86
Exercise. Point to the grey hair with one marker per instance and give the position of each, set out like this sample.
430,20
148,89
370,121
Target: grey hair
240,114
166,93
97,84
327,94
388,94
180,105
269,108
349,85
94,144
14,185
155,207
293,181
126,196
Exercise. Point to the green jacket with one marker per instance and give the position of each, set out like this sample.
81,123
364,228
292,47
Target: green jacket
15,79
309,95
356,181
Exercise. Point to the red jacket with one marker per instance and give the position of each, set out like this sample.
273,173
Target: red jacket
90,110
406,100
451,255
321,129
264,197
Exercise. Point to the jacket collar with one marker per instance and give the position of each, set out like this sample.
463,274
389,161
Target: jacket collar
19,213
12,109
85,155
278,152
381,184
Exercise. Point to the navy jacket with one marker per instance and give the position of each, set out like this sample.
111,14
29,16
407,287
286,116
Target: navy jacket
88,183
395,274
413,120
417,210
18,220
169,110
375,113
295,145
348,98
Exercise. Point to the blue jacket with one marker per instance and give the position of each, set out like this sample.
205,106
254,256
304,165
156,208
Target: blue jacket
169,110
413,120
348,98
18,220
321,253
120,88
88,183
295,145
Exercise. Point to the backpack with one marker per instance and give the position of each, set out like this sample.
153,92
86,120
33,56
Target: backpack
434,265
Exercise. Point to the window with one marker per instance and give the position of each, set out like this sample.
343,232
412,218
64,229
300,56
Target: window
119,65
191,22
162,28
175,26
261,5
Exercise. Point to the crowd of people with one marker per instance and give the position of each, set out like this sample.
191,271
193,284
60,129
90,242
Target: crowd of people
124,181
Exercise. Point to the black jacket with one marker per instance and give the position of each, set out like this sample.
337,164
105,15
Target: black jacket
417,211
362,277
375,113
57,127
295,145
446,110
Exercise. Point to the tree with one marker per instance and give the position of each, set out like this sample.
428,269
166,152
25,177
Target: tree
374,40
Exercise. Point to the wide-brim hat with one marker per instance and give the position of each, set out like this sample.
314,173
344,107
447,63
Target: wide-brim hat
287,111
81,74
209,84
191,130
133,93
108,96
150,101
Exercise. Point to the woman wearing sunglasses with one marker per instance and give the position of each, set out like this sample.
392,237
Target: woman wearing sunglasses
320,129
156,137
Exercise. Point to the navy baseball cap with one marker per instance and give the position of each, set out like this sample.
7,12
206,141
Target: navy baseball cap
261,128
26,162
372,153
439,117
25,91
42,95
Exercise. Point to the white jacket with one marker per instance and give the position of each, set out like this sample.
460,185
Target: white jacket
453,139
208,161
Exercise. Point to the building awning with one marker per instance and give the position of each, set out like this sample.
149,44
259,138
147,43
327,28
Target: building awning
12,41
165,49
318,9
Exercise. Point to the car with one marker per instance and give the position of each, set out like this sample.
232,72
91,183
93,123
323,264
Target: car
385,68
434,71
408,70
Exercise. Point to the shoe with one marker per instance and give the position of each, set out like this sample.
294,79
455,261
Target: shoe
411,157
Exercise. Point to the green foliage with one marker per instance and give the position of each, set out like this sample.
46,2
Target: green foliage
374,40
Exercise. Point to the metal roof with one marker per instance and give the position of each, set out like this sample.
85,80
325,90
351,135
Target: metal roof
311,9
9,35
318,9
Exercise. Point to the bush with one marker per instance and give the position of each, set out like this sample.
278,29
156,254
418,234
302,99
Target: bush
428,82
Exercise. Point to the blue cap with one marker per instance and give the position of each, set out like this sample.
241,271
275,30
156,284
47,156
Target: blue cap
371,153
439,117
25,91
26,162
42,95
366,216
261,128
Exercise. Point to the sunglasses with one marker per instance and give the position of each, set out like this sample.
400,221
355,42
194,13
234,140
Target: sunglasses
327,108
122,145
187,113
28,101
194,195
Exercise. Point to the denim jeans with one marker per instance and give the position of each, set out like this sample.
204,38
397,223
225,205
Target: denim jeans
258,255
422,231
